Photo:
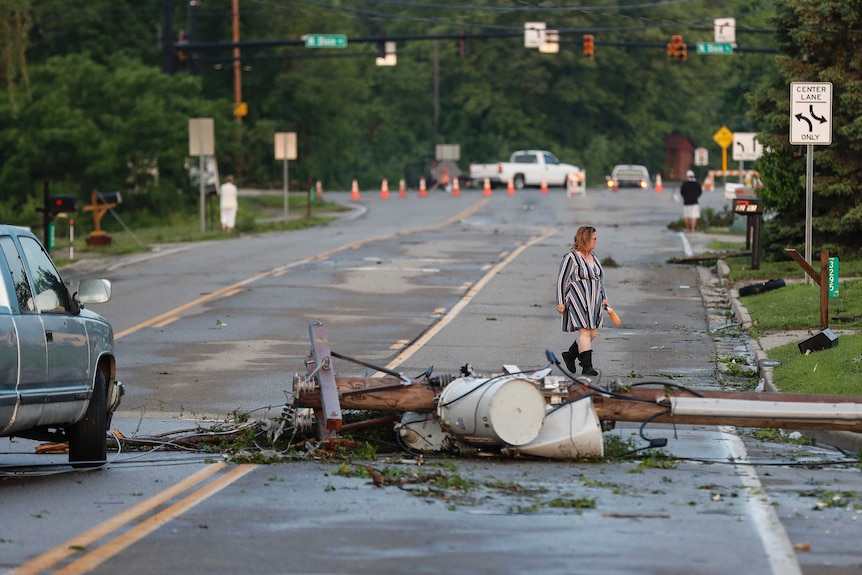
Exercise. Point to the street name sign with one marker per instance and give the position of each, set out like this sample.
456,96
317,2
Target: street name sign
714,48
811,113
325,41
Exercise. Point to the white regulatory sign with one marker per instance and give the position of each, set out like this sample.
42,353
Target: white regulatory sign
746,148
811,113
725,30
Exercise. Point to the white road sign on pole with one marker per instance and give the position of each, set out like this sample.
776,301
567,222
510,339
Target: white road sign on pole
534,34
811,113
746,147
725,30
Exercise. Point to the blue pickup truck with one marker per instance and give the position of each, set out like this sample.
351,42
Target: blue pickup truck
57,365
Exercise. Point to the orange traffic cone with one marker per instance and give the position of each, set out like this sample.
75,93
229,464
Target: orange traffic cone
486,189
422,191
544,187
658,186
384,189
402,188
354,190
510,189
456,187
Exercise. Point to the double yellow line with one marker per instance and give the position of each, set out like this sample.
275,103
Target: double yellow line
91,559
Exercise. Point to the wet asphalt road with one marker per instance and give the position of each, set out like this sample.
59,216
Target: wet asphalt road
238,346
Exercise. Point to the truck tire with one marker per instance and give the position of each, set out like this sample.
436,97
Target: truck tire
88,446
518,181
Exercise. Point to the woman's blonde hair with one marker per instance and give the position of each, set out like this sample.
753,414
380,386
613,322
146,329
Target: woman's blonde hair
583,236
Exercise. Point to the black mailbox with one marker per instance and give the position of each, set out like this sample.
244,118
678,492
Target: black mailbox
748,206
60,204
109,197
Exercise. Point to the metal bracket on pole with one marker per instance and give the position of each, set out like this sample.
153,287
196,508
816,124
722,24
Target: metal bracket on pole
331,419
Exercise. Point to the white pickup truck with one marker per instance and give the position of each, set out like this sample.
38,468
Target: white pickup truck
525,168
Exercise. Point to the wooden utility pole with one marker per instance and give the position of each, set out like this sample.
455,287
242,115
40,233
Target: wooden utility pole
640,404
238,107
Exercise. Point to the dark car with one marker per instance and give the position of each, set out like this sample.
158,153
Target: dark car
628,176
57,364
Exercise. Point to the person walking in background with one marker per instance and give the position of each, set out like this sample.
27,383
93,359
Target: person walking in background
690,192
580,298
228,204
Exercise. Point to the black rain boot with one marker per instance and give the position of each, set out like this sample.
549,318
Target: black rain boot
586,358
569,357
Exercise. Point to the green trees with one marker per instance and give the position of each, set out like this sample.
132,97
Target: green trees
90,108
819,43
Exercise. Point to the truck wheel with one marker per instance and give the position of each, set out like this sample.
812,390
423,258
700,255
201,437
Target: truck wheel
518,181
88,446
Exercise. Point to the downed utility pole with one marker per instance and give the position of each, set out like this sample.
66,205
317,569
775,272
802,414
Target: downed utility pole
746,409
536,413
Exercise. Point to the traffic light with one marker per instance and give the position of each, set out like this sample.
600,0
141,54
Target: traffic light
676,50
60,204
589,46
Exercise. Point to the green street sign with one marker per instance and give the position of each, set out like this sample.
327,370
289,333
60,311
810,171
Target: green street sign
714,48
325,41
832,277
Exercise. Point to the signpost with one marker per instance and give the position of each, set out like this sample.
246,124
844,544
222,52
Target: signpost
325,41
714,48
202,143
810,125
723,137
534,34
725,30
285,149
746,147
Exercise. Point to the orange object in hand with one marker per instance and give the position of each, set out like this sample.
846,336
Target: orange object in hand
613,315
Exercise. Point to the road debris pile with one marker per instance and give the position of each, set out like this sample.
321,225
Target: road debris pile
535,413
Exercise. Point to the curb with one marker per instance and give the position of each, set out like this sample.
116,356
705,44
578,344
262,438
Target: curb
846,441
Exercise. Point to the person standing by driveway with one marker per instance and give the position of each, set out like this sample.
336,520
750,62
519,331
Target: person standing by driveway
580,298
228,204
690,192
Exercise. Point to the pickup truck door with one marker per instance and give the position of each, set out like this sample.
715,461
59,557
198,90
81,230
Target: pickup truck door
20,329
555,172
65,335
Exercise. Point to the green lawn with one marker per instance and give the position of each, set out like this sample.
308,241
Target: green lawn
834,371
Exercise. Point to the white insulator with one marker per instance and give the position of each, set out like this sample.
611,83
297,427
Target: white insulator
303,419
409,436
304,384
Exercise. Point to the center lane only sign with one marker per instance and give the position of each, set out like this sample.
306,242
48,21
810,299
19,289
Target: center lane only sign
811,113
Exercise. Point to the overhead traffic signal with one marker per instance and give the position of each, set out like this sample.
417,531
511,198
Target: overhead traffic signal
589,46
676,50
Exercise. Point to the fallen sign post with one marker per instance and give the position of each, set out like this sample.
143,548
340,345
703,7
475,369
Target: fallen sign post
536,413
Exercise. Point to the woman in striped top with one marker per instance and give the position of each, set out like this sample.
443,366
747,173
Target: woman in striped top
580,298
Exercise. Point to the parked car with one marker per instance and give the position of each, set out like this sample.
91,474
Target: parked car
57,362
525,168
628,176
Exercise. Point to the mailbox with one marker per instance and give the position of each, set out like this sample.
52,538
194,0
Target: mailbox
109,197
60,204
748,206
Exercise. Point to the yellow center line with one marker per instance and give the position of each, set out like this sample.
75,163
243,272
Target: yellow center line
98,556
52,557
230,290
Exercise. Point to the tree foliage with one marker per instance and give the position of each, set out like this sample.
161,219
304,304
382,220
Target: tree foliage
819,43
100,112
